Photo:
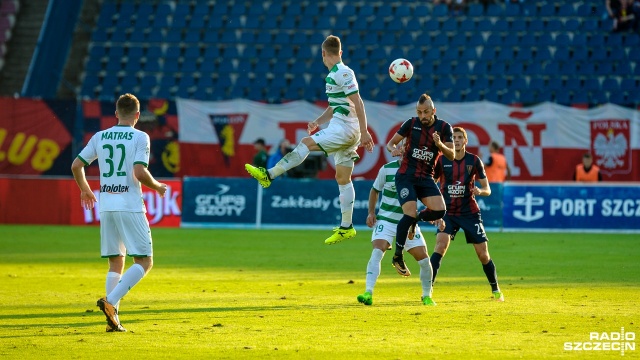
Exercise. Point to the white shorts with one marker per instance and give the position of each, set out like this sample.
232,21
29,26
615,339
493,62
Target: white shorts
385,230
341,141
123,233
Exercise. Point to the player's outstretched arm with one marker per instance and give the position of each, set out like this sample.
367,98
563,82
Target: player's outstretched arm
144,176
87,197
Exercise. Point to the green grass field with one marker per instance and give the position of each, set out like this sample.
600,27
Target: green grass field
228,294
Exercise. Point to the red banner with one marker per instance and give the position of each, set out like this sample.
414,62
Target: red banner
31,136
31,200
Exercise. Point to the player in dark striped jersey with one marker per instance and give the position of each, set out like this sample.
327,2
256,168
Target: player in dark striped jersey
457,183
425,138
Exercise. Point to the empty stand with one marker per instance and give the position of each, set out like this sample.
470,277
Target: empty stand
515,52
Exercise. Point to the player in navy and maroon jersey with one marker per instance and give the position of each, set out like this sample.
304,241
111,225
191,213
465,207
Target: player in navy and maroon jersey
457,183
426,137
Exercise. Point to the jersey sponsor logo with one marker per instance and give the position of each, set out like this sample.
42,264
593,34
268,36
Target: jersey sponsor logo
456,190
417,128
116,135
114,189
351,86
423,154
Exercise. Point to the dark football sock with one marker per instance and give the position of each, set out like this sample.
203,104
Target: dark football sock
490,270
430,215
401,233
436,258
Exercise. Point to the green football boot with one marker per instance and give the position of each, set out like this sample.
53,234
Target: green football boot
260,174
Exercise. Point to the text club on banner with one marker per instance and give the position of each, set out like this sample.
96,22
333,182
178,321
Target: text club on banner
609,207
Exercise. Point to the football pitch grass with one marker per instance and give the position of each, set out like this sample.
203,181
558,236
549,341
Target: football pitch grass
229,294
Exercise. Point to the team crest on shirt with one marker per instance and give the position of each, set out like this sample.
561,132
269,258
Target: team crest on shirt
469,169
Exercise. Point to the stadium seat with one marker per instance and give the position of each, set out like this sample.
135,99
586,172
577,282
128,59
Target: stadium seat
512,9
312,9
566,10
495,10
611,85
475,10
481,83
547,9
440,10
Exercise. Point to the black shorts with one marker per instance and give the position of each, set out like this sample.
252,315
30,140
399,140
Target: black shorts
410,188
471,224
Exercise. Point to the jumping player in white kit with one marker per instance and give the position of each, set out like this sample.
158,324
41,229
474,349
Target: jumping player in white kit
346,130
123,156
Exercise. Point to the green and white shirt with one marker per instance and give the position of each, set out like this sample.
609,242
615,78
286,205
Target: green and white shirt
390,209
118,149
341,82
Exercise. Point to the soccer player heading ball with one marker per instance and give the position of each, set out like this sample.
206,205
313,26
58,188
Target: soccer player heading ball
426,138
346,130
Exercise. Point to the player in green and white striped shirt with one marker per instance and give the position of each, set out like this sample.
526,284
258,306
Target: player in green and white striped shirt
347,130
385,224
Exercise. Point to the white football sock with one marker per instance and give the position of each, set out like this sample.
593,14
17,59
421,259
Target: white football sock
112,281
130,278
425,277
373,269
347,196
289,161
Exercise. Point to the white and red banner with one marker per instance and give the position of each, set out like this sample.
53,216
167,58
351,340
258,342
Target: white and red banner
542,142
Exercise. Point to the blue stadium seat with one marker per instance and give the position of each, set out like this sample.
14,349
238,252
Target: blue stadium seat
264,37
604,68
634,55
580,54
268,53
566,10
547,9
536,83
571,25
580,97
256,9
481,84
171,65
420,11
192,36
591,84
561,54
173,36
553,25
536,25
512,9
628,84
219,9
501,25
475,10
562,40
498,68
579,39
495,10
585,10
469,53
179,22
440,10
365,10
402,11
151,65
517,25
198,21
450,24
563,97
535,68
598,97
530,9
590,25
237,9
511,39
542,54
207,66
528,40
458,40
611,85
312,9
467,25
393,26
233,22
515,68
623,68
275,9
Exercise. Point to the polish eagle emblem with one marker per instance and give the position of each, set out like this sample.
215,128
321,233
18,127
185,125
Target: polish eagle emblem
609,149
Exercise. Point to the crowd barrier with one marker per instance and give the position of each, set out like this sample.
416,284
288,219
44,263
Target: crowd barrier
305,203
